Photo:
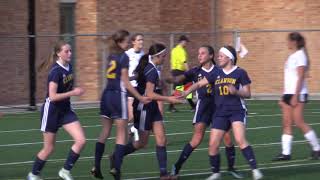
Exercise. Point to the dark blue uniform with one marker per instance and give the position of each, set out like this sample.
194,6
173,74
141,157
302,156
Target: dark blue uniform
205,105
56,114
229,108
146,114
113,103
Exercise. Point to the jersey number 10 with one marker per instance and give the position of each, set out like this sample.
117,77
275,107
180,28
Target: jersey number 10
224,90
110,71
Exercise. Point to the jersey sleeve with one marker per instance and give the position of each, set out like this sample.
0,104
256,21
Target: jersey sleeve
301,60
244,78
152,76
124,61
53,76
189,75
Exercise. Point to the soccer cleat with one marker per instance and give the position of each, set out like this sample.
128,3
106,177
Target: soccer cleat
65,174
233,172
315,155
96,173
256,174
282,157
214,176
174,170
33,177
165,177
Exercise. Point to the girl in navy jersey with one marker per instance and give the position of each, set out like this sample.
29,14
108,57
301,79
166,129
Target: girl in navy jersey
204,110
295,95
231,85
57,111
113,107
147,117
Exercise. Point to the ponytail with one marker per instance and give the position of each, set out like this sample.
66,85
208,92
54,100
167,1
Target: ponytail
144,60
45,65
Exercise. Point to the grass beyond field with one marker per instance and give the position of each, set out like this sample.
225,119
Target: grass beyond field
20,140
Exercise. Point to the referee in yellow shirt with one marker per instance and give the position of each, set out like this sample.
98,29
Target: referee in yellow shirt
179,65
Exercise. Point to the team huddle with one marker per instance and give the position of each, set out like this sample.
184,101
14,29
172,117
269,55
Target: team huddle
133,99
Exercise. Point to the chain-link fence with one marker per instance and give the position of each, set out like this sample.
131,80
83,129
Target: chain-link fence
264,63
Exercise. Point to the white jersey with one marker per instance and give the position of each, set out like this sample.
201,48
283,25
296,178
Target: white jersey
134,59
295,60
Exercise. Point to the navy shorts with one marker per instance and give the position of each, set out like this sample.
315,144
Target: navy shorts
53,116
204,111
224,122
303,98
146,115
113,105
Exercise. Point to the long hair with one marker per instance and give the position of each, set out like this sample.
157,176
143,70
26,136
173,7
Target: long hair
118,37
154,49
211,52
45,65
301,44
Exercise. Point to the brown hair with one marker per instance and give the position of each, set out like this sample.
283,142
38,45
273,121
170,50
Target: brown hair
45,65
134,36
301,44
116,38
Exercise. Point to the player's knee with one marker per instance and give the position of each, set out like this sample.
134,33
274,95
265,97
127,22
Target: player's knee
81,142
48,150
241,141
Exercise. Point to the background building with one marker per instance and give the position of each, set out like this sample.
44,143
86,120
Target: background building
262,25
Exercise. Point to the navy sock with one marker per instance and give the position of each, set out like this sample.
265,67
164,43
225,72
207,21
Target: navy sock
98,154
71,160
187,150
162,159
118,157
215,163
37,166
249,155
230,154
129,148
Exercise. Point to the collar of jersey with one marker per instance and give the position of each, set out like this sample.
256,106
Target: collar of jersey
66,68
229,72
207,70
152,63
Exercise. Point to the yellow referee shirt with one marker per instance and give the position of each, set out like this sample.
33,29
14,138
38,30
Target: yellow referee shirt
178,58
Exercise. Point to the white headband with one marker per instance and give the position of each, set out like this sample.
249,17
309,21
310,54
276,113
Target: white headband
226,52
151,56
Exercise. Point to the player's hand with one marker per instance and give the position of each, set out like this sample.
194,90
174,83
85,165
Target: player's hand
294,100
174,99
78,91
145,100
232,89
180,94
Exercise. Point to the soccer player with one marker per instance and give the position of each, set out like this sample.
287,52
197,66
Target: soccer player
295,95
57,111
134,54
230,109
113,107
147,117
204,110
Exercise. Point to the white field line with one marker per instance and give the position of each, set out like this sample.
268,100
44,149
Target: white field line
169,134
151,153
166,121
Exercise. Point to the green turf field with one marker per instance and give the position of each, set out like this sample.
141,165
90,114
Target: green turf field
20,140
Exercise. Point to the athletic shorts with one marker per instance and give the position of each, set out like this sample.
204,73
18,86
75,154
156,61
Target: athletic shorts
303,98
224,122
204,111
113,105
53,116
146,115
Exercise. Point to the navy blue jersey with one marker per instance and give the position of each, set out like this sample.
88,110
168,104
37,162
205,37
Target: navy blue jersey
223,99
63,77
150,74
198,73
115,64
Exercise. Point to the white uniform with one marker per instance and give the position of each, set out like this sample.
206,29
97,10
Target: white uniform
134,59
295,60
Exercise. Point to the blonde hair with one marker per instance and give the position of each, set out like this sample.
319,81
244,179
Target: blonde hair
45,65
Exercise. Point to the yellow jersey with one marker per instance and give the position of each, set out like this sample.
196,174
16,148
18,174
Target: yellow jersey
178,58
